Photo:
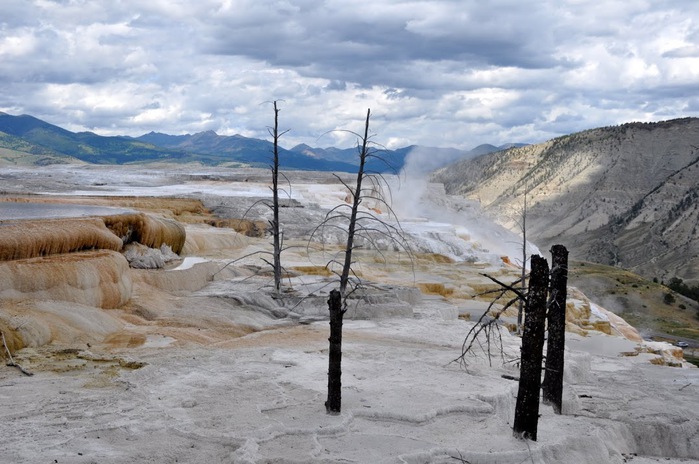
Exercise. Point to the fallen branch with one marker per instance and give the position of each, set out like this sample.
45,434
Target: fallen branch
485,325
511,288
460,458
11,362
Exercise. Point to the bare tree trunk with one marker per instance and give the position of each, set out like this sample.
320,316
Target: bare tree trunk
524,262
553,376
275,207
334,402
527,408
357,225
357,199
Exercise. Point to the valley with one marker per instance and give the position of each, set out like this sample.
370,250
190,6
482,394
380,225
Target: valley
625,196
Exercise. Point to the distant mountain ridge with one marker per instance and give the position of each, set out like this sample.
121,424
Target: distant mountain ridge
244,150
31,135
37,142
626,195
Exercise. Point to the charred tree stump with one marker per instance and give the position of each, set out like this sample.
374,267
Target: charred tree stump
334,402
527,407
553,373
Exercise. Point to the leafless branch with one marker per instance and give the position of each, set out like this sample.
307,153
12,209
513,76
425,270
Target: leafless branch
488,326
11,362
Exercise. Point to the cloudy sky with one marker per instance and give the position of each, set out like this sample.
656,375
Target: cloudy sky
451,73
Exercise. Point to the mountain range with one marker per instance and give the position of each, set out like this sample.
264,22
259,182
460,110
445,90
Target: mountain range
29,140
626,195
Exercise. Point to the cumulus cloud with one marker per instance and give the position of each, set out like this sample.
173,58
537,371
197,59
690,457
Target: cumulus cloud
435,73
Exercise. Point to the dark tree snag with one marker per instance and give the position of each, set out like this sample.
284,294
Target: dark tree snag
553,373
334,402
366,226
275,206
527,408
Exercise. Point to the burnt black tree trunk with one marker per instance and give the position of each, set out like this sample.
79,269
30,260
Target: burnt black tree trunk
334,402
553,373
527,408
364,224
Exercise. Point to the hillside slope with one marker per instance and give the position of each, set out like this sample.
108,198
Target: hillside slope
27,134
626,195
19,152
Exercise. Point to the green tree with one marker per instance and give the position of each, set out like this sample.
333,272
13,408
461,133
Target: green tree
668,298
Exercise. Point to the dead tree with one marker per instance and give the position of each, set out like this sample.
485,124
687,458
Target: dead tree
360,224
335,304
524,262
334,401
274,223
364,224
356,201
553,373
527,407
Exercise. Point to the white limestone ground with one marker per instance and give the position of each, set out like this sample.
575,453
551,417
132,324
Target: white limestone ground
260,399
175,384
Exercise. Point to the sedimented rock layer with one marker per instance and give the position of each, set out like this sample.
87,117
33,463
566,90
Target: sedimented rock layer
95,278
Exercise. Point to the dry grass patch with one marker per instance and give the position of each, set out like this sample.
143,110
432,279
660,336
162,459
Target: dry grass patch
313,270
639,301
484,288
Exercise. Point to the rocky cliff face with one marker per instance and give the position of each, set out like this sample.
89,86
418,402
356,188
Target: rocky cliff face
625,195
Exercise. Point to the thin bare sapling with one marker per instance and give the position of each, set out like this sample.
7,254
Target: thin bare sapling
274,223
277,238
519,216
